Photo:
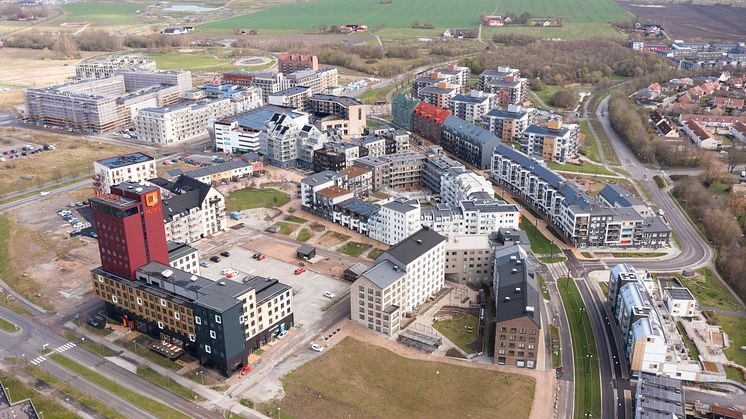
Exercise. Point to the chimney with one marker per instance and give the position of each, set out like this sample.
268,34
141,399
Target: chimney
506,299
529,309
517,290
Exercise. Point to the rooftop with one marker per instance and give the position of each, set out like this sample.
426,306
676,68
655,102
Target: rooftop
124,160
334,192
217,168
354,171
619,196
342,100
384,273
545,131
296,90
321,177
414,246
473,133
680,293
512,113
517,290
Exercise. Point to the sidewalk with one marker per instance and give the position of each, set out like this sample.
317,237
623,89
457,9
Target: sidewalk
213,397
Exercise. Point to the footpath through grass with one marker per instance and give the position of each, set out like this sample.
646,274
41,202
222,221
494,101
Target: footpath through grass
255,198
585,356
145,403
540,245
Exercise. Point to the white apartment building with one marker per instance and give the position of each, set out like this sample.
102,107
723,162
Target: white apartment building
270,83
192,210
133,167
184,257
87,70
180,122
469,258
679,302
288,143
395,221
459,184
242,133
309,185
403,278
474,106
474,217
136,80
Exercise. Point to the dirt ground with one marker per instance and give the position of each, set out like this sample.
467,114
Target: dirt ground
34,68
689,21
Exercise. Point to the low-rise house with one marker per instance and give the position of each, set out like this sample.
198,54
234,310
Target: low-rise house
700,136
738,131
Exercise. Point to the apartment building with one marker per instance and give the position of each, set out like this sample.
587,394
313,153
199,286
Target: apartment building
317,81
133,167
192,210
400,171
269,83
439,94
18,409
396,220
506,83
218,173
287,143
290,63
459,184
218,322
469,259
309,185
402,278
237,78
294,97
358,179
336,156
468,142
701,136
455,75
87,70
430,79
679,301
585,220
472,107
136,80
183,257
435,167
472,217
427,120
402,109
518,303
555,142
179,122
242,133
508,124
370,145
345,114
659,397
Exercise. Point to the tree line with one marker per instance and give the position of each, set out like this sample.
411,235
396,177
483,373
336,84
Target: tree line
14,11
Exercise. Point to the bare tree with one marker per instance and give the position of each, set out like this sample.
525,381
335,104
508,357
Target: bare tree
736,156
714,169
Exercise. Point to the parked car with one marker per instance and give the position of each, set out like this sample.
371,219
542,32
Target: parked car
245,370
226,271
97,322
300,270
316,347
93,234
43,193
225,253
255,255
215,259
260,257
329,294
282,334
204,264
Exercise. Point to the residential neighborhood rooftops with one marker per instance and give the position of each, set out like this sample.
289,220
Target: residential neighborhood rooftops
354,171
474,133
292,91
545,131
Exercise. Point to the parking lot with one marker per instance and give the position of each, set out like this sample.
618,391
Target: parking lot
308,287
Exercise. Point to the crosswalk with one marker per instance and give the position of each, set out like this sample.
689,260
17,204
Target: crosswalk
38,360
65,347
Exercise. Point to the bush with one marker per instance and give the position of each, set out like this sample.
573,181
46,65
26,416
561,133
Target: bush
563,99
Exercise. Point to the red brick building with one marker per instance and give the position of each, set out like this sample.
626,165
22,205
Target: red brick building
238,78
290,63
427,119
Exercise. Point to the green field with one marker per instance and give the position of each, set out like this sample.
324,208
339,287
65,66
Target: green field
585,356
42,402
709,290
102,14
192,62
574,11
539,244
304,235
255,198
456,331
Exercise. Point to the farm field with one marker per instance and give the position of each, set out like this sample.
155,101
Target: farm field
192,62
568,31
684,21
102,14
575,11
370,381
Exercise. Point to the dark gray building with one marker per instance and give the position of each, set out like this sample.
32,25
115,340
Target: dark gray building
468,142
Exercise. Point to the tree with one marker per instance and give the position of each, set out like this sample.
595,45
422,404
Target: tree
714,169
736,156
563,99
323,28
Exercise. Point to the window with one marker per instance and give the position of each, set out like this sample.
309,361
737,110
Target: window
191,338
101,279
114,298
139,301
160,325
198,320
177,316
163,302
208,349
212,334
218,319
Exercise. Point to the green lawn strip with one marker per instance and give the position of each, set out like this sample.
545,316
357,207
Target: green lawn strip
456,331
709,291
36,191
543,286
354,249
734,327
133,397
192,62
74,393
539,244
255,198
589,147
8,326
339,236
169,384
148,354
201,376
589,168
43,403
556,346
693,351
373,254
604,287
92,346
734,374
304,235
286,228
585,356
552,259
97,330
294,219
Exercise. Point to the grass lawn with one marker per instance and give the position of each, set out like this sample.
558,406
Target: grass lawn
286,228
202,376
135,398
604,287
548,91
304,235
589,168
552,259
556,346
734,327
192,62
102,14
377,94
690,346
585,356
94,347
8,326
44,403
255,198
539,244
369,381
100,408
168,384
373,254
543,286
589,146
568,31
456,331
734,374
354,249
294,219
709,291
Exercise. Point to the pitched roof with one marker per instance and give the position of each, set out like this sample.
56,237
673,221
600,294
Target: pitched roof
414,246
517,290
384,273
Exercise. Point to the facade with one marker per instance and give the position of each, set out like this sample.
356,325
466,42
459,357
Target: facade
427,120
229,171
659,397
290,63
402,279
472,107
395,221
192,210
458,185
136,80
345,114
468,142
507,84
242,134
585,220
469,259
700,136
554,142
679,302
402,109
399,171
88,70
738,131
286,143
269,83
336,156
439,94
294,97
317,81
518,302
134,167
434,169
183,257
474,217
508,124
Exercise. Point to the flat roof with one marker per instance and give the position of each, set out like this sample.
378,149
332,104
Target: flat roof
384,273
414,246
334,191
124,160
680,293
217,168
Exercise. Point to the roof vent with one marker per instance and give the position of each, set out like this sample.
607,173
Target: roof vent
396,268
514,270
130,187
419,241
138,190
193,278
167,273
517,290
513,257
222,283
529,309
507,299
